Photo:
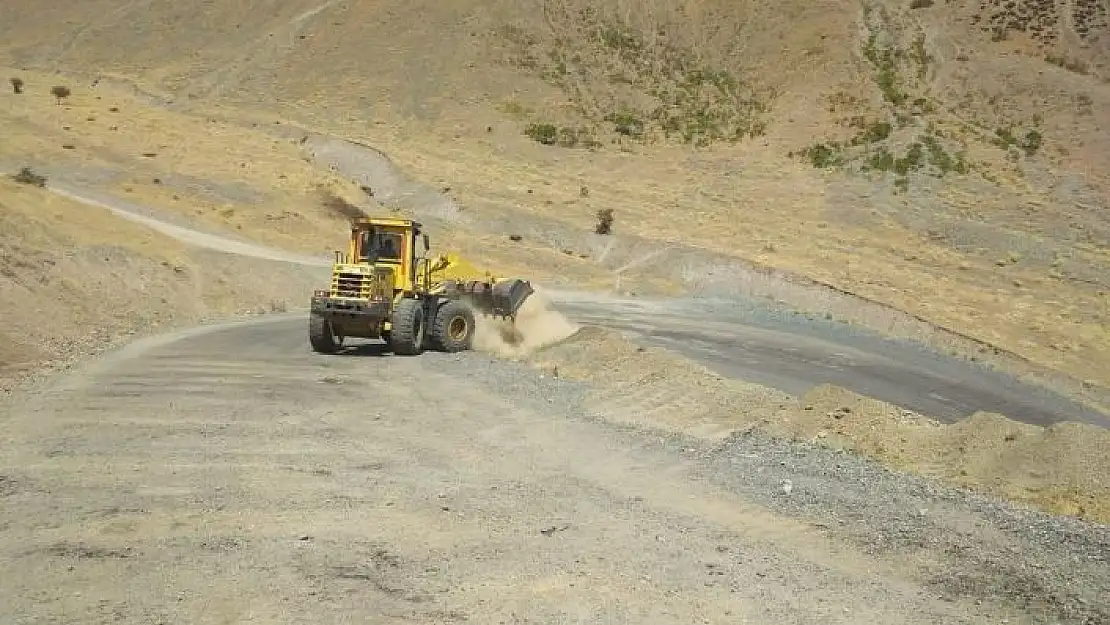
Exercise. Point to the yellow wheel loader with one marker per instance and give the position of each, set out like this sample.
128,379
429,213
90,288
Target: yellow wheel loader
382,288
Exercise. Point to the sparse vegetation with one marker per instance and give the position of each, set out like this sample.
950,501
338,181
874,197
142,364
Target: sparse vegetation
873,150
873,132
1029,143
626,123
1072,65
1040,20
896,143
60,92
638,85
886,69
823,156
942,159
27,175
604,221
550,134
17,85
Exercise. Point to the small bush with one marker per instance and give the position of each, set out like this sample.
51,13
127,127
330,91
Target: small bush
941,159
873,133
60,92
912,161
29,176
626,123
547,134
920,4
604,221
17,85
1072,65
1032,142
823,156
550,134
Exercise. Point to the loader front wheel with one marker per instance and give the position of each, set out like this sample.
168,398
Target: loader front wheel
453,328
321,334
406,336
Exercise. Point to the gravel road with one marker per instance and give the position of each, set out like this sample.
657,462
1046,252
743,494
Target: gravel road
741,338
229,474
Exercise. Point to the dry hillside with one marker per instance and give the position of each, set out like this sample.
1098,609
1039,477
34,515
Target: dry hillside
946,159
75,279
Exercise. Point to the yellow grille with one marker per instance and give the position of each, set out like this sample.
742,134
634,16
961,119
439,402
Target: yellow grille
351,284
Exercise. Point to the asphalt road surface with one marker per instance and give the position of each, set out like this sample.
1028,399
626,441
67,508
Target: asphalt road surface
794,354
230,475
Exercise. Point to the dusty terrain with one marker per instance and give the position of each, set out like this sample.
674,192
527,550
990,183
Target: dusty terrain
230,475
924,171
75,279
1006,254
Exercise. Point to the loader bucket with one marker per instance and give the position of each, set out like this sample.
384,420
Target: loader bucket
510,295
500,299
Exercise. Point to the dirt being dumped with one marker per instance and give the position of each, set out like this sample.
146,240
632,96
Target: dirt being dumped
537,325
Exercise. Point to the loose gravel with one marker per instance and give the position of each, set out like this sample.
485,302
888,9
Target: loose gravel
964,545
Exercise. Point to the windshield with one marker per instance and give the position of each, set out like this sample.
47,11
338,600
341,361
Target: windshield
378,245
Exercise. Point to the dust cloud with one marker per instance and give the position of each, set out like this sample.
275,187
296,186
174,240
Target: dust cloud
537,325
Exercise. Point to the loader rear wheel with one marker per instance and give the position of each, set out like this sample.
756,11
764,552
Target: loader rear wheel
321,334
406,336
453,327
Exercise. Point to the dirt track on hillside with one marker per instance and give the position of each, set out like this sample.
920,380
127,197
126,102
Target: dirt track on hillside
738,337
228,474
213,454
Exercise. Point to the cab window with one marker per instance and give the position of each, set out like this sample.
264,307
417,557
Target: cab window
377,245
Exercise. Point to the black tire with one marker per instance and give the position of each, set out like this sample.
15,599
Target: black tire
453,327
406,337
320,334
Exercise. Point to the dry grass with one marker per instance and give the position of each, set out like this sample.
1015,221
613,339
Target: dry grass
75,279
218,174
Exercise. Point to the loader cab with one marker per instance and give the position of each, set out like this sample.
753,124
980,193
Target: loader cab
390,243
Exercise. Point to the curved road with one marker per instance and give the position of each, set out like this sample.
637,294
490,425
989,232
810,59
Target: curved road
794,354
739,341
228,474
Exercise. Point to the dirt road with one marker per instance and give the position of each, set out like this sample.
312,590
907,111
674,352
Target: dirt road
740,338
231,475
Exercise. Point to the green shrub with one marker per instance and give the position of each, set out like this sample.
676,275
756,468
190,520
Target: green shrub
27,175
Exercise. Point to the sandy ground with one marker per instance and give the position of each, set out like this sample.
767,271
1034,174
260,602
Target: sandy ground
261,173
1060,468
253,480
75,279
231,475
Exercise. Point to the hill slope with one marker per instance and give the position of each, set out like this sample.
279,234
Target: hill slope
948,160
